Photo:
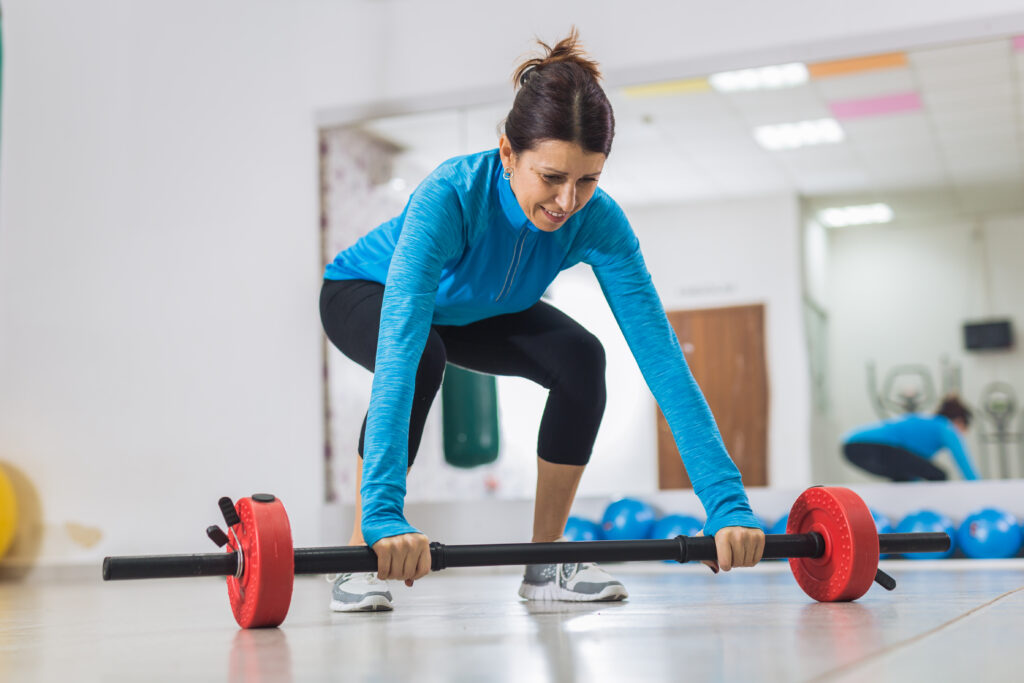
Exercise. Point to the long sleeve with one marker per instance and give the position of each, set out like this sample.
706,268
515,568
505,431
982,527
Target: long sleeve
952,441
431,235
627,286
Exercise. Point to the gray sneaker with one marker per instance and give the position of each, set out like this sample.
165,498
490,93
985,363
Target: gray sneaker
573,582
362,592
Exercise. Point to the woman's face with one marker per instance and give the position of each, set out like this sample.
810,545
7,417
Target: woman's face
553,180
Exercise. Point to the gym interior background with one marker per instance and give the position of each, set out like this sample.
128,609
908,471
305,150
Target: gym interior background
166,180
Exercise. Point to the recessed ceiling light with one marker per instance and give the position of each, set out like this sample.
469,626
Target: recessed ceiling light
866,214
800,134
764,78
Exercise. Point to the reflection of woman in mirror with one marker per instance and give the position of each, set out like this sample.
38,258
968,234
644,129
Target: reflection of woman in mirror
900,448
458,278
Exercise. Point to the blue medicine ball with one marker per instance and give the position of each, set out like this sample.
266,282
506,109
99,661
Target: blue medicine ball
627,519
928,521
579,529
780,525
671,526
882,525
989,533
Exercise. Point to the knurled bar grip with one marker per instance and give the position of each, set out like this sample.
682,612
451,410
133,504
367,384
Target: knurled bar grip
361,558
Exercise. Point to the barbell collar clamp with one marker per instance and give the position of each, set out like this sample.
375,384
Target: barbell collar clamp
227,508
884,580
217,535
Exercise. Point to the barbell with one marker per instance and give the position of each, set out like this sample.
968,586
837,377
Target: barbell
831,542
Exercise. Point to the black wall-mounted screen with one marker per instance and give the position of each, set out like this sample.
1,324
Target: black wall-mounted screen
996,334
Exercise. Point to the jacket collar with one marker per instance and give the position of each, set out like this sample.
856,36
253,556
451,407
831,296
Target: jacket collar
510,205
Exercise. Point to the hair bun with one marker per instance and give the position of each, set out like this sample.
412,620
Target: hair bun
566,50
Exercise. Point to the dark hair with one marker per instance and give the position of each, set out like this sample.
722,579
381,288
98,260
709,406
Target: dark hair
952,408
560,98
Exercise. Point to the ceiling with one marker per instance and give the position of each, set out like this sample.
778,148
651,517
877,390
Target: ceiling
955,142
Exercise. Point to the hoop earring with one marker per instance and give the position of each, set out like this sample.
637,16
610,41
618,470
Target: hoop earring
507,175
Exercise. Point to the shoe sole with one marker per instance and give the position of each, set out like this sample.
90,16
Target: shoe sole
552,593
372,603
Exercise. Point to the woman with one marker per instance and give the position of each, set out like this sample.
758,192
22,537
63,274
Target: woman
901,448
458,277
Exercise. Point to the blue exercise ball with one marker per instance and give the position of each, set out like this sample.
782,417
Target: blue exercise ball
627,519
580,529
883,525
928,521
989,533
779,527
671,526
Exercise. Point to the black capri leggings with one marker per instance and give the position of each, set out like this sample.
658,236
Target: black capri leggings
541,344
896,464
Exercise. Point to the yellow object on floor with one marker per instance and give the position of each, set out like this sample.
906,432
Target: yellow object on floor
8,512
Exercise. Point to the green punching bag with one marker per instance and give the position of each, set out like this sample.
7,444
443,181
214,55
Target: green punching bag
469,401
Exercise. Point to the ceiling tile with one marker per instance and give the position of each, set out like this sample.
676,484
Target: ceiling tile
970,142
964,74
974,51
904,129
743,171
900,157
824,169
948,122
984,92
865,84
923,171
691,107
767,107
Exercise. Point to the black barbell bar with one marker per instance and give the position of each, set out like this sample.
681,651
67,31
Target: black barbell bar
332,560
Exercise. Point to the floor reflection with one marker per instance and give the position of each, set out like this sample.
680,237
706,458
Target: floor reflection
260,655
840,632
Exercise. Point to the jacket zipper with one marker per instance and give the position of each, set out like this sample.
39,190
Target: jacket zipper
514,266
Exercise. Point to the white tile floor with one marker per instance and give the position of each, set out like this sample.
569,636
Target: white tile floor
947,621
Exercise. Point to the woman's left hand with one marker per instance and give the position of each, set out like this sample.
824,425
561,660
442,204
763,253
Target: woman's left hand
737,546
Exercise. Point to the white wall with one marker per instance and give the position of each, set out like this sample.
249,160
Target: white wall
159,344
158,262
901,294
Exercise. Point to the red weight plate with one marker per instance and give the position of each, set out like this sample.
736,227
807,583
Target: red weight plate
847,568
261,597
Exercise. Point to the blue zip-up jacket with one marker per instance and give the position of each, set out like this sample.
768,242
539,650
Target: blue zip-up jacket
463,250
923,435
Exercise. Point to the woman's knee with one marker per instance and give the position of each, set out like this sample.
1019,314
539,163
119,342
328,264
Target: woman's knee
430,372
582,365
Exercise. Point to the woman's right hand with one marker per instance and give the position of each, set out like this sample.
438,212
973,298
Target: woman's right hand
405,557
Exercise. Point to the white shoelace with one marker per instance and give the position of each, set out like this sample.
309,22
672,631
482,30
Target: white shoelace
371,578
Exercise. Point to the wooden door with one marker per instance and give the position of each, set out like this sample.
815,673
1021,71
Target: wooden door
725,350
